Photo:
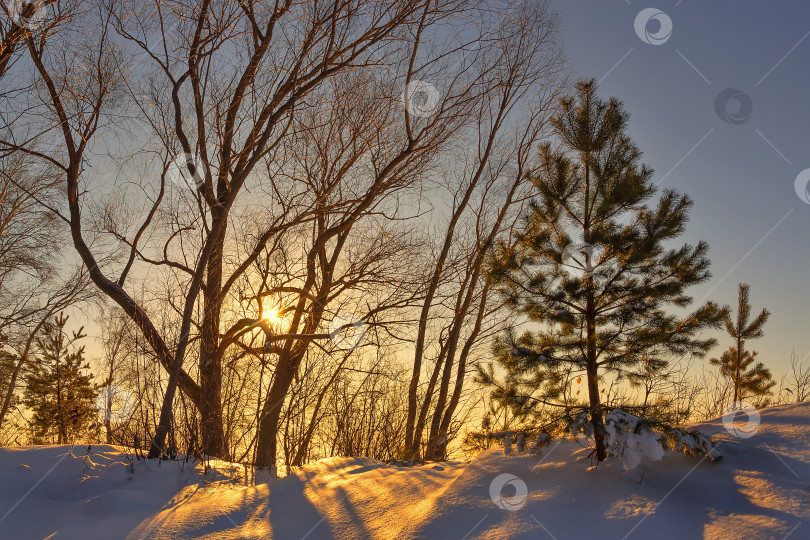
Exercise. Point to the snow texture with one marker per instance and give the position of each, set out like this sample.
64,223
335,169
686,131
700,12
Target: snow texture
761,489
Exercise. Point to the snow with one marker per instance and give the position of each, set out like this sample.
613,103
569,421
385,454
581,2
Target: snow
630,442
760,489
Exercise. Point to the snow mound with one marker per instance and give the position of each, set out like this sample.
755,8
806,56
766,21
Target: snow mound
761,489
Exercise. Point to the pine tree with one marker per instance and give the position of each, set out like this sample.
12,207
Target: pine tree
589,263
58,386
7,364
748,376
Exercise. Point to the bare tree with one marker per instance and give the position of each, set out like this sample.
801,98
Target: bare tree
36,282
799,381
118,401
279,156
508,125
23,18
239,71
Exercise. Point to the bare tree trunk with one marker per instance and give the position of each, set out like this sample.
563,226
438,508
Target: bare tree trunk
411,443
463,300
211,425
426,403
303,448
440,438
444,427
266,453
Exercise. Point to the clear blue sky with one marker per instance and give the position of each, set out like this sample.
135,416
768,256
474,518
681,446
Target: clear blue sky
741,175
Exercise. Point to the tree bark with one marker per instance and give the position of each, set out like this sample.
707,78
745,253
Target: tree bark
593,383
444,427
737,371
212,434
591,365
267,445
423,412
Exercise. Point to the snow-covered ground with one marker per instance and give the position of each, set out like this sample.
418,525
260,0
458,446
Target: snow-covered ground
761,489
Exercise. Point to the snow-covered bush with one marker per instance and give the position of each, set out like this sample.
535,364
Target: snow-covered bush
631,438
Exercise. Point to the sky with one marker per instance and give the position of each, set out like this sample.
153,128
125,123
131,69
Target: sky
717,93
738,157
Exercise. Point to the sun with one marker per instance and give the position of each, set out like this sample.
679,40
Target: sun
273,316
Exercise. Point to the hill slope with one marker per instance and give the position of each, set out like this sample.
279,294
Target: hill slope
761,489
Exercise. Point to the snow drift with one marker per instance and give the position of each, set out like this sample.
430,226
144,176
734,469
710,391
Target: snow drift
760,489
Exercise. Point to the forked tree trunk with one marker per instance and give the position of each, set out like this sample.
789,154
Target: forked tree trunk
444,428
423,411
411,438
